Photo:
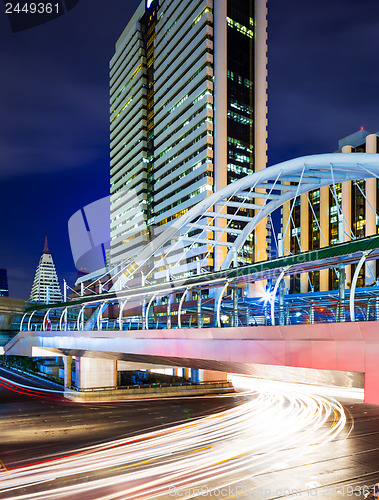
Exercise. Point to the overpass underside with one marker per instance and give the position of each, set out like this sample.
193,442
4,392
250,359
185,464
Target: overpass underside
340,354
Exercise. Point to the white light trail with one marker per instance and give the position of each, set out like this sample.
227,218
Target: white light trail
208,452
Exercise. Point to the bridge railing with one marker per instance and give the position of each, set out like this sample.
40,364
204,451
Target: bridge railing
242,312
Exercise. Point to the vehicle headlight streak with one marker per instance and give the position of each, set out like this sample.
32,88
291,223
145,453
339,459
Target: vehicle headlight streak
209,451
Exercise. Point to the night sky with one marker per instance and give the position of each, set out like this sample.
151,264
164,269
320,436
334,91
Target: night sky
323,78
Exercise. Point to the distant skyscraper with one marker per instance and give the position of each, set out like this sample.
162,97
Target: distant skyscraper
45,287
4,292
188,116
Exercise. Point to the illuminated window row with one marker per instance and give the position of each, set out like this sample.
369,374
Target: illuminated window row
239,157
198,112
202,189
185,185
127,83
198,18
187,172
239,79
240,106
174,68
191,157
184,136
240,28
189,80
238,169
122,109
188,145
180,33
125,53
239,118
239,145
130,178
174,216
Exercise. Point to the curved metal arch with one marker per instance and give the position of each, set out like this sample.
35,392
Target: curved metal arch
22,320
45,318
100,314
354,284
153,297
275,291
271,185
123,304
30,319
218,309
182,299
78,321
64,313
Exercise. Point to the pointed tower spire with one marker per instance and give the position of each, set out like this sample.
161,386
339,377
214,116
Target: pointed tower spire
46,248
45,287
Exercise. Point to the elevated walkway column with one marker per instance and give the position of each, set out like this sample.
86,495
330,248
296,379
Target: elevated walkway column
220,121
287,239
324,238
370,209
346,210
260,125
67,362
95,372
304,237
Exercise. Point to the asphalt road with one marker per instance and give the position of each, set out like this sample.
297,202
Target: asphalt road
250,446
35,428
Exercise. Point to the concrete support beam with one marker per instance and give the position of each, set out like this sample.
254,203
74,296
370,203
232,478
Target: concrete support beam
94,372
221,120
67,363
212,376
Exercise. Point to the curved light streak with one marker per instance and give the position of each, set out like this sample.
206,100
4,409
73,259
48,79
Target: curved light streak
27,389
209,452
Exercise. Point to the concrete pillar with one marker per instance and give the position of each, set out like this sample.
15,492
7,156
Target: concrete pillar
346,210
304,237
67,362
324,238
95,372
235,306
286,239
260,116
220,118
371,195
194,375
168,313
212,376
198,310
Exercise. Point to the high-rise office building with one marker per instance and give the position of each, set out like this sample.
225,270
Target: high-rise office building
188,115
45,287
315,223
4,292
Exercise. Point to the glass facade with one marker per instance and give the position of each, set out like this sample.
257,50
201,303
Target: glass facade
240,105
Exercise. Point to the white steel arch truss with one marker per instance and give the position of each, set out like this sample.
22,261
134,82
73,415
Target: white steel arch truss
248,201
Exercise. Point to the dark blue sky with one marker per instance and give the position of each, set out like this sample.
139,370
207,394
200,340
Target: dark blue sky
54,118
